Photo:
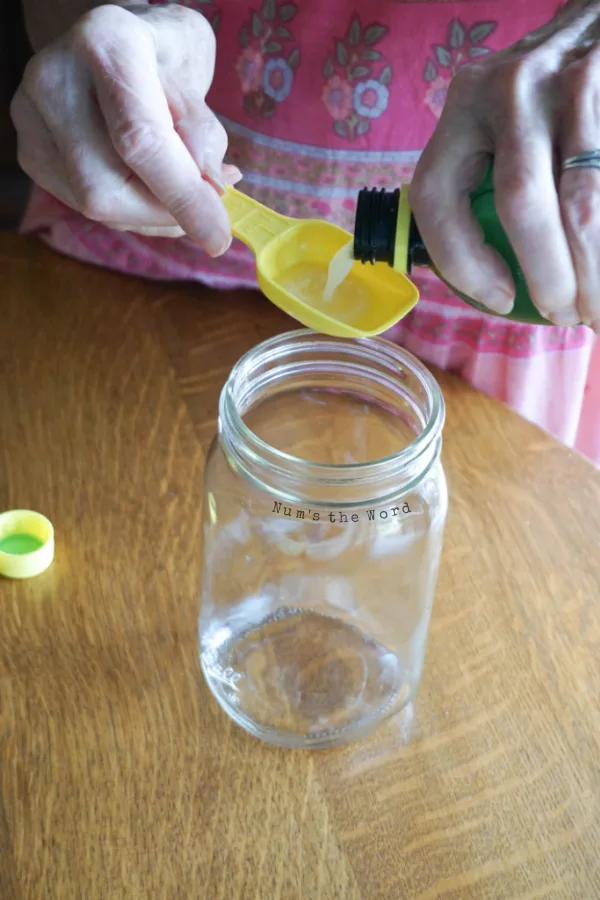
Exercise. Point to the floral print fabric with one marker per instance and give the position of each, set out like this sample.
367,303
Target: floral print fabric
269,57
323,97
357,88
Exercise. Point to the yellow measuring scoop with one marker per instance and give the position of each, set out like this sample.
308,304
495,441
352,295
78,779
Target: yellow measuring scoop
292,262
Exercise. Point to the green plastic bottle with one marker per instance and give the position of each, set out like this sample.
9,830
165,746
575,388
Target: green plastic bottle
385,231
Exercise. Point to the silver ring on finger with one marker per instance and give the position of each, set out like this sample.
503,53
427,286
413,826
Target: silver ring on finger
590,159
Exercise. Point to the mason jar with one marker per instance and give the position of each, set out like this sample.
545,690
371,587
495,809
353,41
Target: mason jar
324,509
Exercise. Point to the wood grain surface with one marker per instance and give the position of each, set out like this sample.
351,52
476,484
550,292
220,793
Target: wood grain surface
121,778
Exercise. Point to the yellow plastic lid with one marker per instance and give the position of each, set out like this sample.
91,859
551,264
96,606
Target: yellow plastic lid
26,543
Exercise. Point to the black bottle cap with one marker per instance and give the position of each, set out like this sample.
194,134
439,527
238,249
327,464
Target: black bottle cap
417,251
375,229
375,225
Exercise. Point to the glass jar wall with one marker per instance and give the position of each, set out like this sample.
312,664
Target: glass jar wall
324,509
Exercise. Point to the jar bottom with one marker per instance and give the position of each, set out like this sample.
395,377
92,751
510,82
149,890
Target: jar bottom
302,679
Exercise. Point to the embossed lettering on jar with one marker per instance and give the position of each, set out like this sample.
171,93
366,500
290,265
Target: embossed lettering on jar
324,510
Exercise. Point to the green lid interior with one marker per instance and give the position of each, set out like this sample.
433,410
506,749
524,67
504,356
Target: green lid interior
20,544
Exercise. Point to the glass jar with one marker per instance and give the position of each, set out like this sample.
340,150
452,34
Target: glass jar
324,508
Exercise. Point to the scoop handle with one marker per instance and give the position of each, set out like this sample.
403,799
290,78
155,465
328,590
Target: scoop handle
251,222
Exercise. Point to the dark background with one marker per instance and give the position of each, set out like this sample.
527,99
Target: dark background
14,53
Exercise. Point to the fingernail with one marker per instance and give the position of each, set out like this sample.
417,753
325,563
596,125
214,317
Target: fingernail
497,300
219,245
215,178
564,317
232,175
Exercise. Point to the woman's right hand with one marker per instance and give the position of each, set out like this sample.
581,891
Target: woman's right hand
112,120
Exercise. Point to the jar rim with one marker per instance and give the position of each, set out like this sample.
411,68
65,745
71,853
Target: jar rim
377,350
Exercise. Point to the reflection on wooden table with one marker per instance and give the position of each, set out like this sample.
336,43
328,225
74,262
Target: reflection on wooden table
121,778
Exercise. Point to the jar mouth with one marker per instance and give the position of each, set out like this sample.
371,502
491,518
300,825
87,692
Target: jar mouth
376,361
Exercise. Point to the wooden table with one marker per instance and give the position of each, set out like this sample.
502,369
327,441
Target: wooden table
120,777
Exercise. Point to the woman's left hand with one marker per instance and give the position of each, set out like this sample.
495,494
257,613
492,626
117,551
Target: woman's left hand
530,107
